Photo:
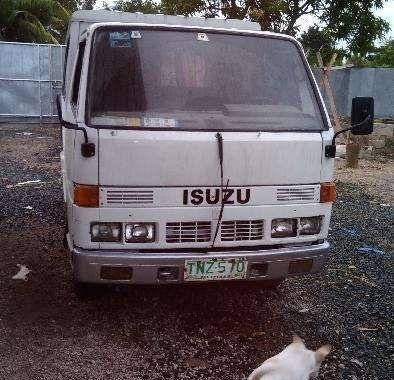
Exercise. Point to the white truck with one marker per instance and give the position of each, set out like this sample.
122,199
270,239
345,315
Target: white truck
193,150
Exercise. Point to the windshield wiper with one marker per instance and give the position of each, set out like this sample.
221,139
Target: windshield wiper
222,188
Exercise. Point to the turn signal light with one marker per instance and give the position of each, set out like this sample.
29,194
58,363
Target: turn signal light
327,192
86,195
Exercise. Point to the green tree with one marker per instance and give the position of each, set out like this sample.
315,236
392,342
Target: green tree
382,56
277,15
317,39
273,15
87,4
145,6
351,23
354,23
70,5
74,5
32,20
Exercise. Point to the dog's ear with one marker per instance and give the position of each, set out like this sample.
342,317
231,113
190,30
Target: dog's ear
297,339
322,352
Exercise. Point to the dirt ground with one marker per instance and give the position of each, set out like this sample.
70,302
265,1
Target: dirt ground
374,176
196,332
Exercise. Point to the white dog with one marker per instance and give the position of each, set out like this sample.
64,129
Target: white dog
295,362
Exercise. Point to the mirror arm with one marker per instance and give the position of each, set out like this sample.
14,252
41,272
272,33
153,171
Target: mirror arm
336,134
330,150
87,149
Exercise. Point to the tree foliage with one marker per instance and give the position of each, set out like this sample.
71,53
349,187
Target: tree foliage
74,5
274,15
147,6
351,23
320,39
354,23
32,20
382,56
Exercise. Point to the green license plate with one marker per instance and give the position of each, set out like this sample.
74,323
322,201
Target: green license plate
215,269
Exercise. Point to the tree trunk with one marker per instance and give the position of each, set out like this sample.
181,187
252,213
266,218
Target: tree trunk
352,152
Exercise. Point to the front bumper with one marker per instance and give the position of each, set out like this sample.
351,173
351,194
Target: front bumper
87,264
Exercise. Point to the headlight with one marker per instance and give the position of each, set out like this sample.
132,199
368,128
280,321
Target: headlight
105,231
140,232
310,226
283,228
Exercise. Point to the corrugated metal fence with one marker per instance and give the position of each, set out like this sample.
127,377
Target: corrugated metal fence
30,78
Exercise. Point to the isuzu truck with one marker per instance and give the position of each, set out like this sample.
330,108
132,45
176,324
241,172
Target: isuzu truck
194,150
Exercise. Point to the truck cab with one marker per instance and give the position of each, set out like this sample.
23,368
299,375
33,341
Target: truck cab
193,151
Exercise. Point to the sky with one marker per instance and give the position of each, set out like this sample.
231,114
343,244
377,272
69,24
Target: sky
387,13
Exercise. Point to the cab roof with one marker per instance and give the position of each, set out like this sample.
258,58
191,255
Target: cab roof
99,16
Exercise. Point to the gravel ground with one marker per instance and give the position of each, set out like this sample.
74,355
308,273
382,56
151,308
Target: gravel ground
206,332
375,176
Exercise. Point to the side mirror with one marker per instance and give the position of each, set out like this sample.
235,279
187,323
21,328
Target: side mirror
361,122
362,116
87,149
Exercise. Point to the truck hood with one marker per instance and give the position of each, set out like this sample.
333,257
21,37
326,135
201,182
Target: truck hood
178,158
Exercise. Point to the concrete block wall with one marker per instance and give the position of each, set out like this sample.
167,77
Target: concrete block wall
347,83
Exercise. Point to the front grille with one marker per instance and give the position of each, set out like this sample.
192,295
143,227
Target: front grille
235,230
129,197
288,194
188,232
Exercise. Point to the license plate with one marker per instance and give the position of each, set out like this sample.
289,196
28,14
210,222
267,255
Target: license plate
215,269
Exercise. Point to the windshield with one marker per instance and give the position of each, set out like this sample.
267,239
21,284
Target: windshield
199,81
